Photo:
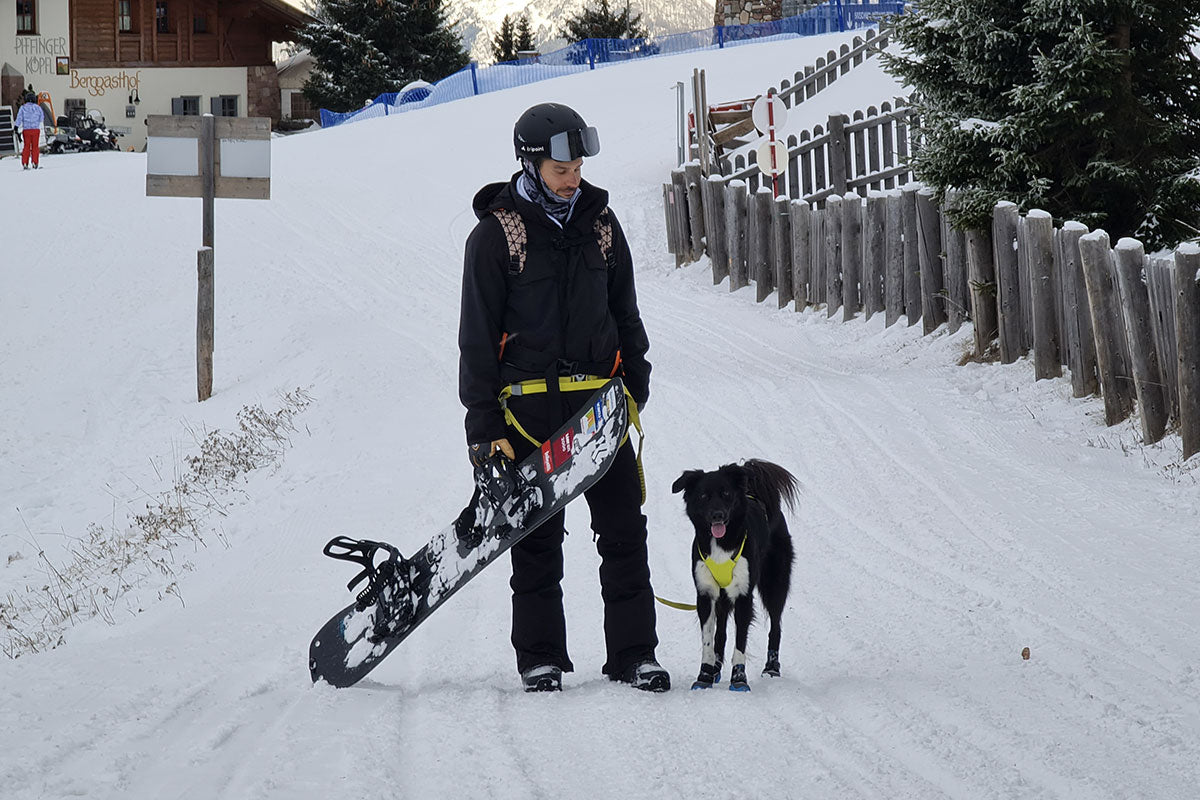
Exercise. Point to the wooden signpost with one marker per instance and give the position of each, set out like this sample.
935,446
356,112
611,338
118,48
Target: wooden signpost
207,157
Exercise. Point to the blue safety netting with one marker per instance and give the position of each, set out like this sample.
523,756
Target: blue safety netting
833,16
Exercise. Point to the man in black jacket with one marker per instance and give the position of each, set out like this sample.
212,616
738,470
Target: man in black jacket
548,293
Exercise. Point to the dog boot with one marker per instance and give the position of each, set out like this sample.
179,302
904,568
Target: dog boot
737,679
647,676
547,678
709,674
772,667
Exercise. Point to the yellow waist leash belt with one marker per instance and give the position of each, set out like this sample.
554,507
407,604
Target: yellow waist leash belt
588,383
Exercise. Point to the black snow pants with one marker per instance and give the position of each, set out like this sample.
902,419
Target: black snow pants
539,630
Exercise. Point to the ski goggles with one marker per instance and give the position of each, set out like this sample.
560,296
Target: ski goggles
570,145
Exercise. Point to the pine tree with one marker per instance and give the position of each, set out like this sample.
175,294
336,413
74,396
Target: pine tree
603,23
513,37
363,48
503,43
1086,108
524,34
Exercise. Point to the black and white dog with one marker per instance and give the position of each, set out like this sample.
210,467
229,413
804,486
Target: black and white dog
742,543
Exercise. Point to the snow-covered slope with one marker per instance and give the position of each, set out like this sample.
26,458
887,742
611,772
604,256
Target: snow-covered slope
478,20
950,515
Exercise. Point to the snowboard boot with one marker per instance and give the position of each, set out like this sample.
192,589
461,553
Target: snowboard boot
547,678
647,676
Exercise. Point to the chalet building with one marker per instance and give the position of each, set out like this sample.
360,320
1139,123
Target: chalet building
132,58
293,73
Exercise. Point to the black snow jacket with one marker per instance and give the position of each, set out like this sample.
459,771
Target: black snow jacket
566,311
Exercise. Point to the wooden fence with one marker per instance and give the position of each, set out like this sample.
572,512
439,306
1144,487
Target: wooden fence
1126,326
868,152
723,135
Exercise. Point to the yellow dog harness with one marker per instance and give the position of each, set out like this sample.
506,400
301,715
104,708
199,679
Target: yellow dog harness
722,571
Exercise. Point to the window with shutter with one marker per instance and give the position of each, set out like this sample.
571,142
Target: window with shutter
188,106
225,105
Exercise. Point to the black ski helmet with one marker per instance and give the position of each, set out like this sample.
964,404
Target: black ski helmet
553,130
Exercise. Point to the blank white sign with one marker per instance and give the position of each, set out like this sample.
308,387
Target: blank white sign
245,158
171,155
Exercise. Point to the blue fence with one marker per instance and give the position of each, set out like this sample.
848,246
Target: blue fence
833,16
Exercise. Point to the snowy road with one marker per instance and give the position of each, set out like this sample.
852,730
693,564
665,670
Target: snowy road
950,516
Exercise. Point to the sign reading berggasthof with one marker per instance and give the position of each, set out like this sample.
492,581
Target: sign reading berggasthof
207,157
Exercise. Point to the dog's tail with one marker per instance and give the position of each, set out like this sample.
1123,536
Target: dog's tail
771,483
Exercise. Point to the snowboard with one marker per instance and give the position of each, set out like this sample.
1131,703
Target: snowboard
512,500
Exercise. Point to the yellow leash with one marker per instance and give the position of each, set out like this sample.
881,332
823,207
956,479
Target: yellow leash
722,572
675,604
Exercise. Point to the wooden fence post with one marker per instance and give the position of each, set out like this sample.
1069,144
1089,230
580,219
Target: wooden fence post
1024,293
1187,344
894,260
1096,256
1135,308
954,243
736,233
912,260
1160,281
833,254
874,253
781,229
818,258
762,271
706,207
204,323
981,276
839,155
682,217
1081,344
929,255
801,218
692,175
718,246
669,212
1008,302
1039,233
852,255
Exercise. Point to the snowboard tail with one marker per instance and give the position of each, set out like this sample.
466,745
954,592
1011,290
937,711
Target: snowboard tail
513,500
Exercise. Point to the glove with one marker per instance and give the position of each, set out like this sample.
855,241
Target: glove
482,451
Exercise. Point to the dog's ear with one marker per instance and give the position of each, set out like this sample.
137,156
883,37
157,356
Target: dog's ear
686,480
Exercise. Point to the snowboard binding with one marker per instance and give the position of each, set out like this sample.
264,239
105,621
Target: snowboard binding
503,494
388,585
509,493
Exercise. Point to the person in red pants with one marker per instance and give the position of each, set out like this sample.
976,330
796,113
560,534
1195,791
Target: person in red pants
29,121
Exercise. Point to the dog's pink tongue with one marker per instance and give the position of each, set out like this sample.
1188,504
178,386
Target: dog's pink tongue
718,530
